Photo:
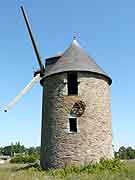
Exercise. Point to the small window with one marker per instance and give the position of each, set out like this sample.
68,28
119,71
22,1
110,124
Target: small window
72,84
73,124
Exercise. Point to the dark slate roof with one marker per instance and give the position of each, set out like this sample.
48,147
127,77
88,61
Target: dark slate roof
73,59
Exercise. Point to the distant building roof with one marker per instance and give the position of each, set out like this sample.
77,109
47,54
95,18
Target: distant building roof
73,59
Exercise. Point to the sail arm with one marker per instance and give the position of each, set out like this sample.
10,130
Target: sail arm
32,39
22,93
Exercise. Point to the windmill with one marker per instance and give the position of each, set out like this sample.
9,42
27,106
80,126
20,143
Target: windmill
76,114
37,74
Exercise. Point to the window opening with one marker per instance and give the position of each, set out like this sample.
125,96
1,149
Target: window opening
72,84
73,124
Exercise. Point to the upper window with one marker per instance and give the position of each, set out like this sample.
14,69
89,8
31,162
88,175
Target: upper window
72,83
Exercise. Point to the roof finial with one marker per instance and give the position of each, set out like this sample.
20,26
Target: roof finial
74,36
75,40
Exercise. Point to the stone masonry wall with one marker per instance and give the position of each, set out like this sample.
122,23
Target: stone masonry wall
93,139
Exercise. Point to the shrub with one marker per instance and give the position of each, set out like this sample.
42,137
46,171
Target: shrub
112,165
91,168
24,158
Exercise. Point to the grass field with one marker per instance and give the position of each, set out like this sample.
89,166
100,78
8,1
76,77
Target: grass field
21,172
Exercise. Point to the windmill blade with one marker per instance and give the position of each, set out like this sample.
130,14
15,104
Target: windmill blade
22,93
32,39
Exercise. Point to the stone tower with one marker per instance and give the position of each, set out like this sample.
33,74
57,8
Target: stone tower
76,114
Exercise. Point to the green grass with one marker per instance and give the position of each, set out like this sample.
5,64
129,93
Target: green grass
106,170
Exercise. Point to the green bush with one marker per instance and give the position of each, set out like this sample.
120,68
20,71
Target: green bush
91,168
24,158
112,165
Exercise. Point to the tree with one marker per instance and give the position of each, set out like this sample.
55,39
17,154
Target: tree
126,153
123,153
18,148
7,151
130,153
1,150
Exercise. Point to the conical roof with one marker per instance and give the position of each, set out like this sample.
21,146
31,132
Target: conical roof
73,59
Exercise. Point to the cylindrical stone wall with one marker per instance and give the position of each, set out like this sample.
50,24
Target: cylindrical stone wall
93,139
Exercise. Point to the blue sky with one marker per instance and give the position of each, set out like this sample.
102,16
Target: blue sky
106,29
